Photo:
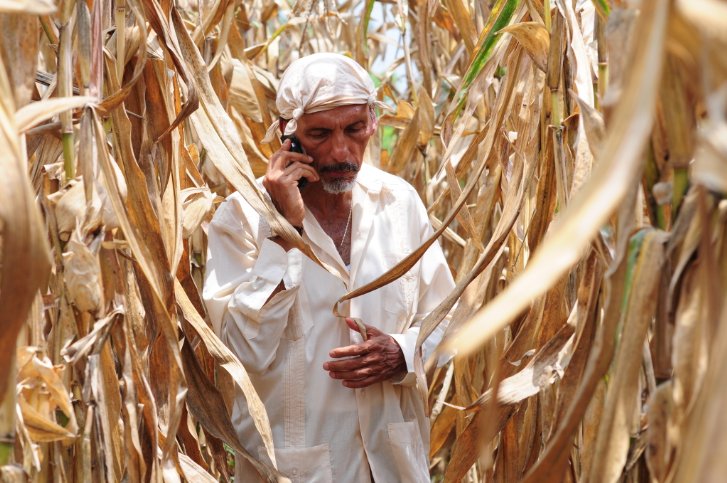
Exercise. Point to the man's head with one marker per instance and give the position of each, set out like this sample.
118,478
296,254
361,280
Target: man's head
327,101
336,140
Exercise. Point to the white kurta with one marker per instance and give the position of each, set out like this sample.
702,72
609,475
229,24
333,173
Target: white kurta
323,431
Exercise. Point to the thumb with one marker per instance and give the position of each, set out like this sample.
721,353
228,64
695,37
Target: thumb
364,329
351,324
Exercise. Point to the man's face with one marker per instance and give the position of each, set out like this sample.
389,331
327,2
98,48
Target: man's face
336,140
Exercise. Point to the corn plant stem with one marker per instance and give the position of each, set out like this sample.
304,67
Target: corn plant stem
368,9
546,14
49,29
601,82
120,17
69,159
556,115
650,178
65,88
7,421
680,185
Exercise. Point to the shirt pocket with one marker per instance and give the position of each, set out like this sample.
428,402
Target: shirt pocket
303,465
408,452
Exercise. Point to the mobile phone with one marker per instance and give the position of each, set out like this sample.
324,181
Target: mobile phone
296,147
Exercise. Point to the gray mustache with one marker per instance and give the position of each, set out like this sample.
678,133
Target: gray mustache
342,167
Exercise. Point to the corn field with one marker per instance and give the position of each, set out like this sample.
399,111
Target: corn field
573,159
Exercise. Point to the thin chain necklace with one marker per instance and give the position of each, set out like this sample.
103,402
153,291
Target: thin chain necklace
343,240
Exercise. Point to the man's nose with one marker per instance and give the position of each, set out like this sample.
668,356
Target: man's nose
339,147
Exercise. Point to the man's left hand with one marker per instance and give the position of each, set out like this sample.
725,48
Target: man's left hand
375,360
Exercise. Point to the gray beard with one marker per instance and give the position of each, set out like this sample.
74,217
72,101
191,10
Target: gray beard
338,186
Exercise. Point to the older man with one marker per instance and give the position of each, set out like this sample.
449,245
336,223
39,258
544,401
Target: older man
341,408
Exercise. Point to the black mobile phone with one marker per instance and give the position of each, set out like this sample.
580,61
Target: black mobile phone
295,147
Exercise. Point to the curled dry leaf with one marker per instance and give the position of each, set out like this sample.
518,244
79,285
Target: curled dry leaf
82,273
710,164
70,207
660,432
242,93
37,112
41,396
534,37
92,342
197,206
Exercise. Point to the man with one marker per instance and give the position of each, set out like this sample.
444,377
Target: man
341,409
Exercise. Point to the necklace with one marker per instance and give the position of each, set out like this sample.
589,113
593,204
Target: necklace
345,232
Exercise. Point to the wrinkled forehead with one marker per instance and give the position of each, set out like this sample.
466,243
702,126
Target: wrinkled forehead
338,116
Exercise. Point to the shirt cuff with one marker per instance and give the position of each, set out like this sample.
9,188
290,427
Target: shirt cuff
407,341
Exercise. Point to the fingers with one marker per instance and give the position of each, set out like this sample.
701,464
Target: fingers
360,365
361,371
296,171
282,158
354,364
351,350
284,171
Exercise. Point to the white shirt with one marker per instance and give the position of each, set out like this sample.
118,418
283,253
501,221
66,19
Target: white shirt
323,431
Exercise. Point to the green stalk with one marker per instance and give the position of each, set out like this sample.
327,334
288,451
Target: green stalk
7,419
365,25
69,159
602,7
65,89
556,109
500,17
680,185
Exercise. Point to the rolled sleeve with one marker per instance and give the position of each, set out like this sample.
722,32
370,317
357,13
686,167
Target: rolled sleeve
252,298
244,270
266,275
407,341
294,272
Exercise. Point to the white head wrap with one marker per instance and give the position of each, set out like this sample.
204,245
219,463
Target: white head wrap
319,82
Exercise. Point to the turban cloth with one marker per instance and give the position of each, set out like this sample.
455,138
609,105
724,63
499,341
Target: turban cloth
320,82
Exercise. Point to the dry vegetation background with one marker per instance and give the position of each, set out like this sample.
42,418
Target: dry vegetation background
573,156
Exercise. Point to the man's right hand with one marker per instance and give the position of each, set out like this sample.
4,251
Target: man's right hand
281,182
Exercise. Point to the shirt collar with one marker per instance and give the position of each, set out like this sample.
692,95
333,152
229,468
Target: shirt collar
367,179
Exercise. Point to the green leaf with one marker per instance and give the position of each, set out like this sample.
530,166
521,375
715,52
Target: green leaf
602,7
499,18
